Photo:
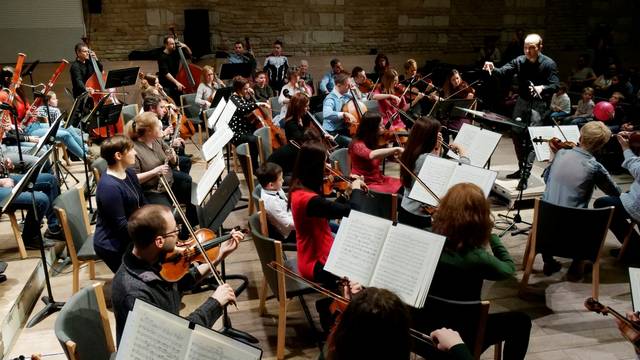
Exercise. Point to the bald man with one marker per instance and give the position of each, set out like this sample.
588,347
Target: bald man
537,81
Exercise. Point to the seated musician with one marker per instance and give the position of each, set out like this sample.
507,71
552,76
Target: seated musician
363,85
305,75
334,118
327,82
629,333
627,205
311,214
456,88
169,65
380,65
571,179
82,69
275,202
154,158
241,124
9,117
276,66
118,195
242,56
425,140
261,89
366,154
153,231
464,217
378,316
296,122
294,86
390,99
209,84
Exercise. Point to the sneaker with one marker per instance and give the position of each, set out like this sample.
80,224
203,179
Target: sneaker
58,235
515,175
551,267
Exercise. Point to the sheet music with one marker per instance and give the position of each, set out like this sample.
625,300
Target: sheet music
226,115
357,245
542,150
216,142
407,262
213,119
209,179
476,175
207,344
153,334
634,281
479,144
436,173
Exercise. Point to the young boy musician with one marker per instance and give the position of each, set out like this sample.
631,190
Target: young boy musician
275,202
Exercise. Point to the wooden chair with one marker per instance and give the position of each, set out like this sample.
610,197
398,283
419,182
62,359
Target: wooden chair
265,148
71,208
129,112
568,232
192,112
276,107
17,234
341,156
82,327
244,157
283,288
627,238
384,205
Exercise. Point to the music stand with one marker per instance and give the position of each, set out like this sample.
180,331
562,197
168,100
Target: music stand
224,92
28,182
229,71
121,78
315,103
48,138
212,214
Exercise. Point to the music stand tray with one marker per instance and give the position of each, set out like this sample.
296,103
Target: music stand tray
224,92
104,116
20,186
48,138
122,77
229,71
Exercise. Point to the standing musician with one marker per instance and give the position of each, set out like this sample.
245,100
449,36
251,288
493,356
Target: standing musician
333,117
169,65
207,88
276,65
311,214
241,124
153,232
389,97
81,69
118,195
366,154
293,87
531,68
425,140
154,158
327,82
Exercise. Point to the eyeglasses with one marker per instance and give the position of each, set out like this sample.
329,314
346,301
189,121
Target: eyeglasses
177,230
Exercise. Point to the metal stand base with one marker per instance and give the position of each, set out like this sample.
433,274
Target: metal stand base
50,308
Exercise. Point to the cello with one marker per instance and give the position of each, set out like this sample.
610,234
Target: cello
357,109
188,73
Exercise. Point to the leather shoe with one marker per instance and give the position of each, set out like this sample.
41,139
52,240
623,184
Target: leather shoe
515,175
59,235
551,267
34,244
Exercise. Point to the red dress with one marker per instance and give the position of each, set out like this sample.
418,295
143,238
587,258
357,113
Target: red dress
387,111
313,234
361,164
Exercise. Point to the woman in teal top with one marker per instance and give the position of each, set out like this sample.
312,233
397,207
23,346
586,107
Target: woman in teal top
464,217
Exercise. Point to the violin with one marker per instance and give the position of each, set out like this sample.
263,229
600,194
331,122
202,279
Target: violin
633,327
176,264
389,136
334,180
634,140
366,86
555,144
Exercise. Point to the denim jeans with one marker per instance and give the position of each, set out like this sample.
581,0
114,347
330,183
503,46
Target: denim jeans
69,137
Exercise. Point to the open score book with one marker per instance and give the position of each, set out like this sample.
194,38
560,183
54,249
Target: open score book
374,252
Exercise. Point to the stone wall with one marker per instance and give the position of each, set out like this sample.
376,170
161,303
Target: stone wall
324,27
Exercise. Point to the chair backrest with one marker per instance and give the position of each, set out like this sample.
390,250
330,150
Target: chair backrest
257,193
575,233
189,106
244,157
469,318
372,105
71,209
343,159
129,112
266,248
100,164
82,326
384,205
276,107
265,147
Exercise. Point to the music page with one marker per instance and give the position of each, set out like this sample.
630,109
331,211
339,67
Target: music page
207,344
479,144
476,175
213,119
634,281
435,173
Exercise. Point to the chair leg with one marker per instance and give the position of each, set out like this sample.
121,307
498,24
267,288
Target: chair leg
262,309
527,272
76,278
92,269
526,252
17,234
282,328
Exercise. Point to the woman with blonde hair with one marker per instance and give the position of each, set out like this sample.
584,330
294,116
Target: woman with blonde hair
209,84
389,102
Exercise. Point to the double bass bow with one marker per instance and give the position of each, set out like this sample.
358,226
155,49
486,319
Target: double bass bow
188,74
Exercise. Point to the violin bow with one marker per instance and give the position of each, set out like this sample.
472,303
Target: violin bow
559,128
370,94
459,91
416,178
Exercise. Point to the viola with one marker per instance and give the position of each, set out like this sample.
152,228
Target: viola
188,73
630,328
334,180
366,86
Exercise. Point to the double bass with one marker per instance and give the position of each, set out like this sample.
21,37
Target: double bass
188,73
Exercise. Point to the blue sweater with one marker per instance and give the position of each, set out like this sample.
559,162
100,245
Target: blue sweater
116,199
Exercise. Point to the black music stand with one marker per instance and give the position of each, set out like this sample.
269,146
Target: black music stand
212,214
122,77
229,71
28,182
224,92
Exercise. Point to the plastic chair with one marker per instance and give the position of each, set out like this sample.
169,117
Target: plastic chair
244,157
265,148
129,112
343,159
192,112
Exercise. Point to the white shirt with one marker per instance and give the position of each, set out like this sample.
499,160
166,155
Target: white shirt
275,204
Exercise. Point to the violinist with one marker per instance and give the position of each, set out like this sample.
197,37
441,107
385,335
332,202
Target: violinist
425,140
389,96
363,85
571,179
380,66
82,69
378,316
153,232
327,82
456,88
169,65
464,217
154,158
242,126
311,214
262,90
209,84
118,195
366,154
293,87
334,118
